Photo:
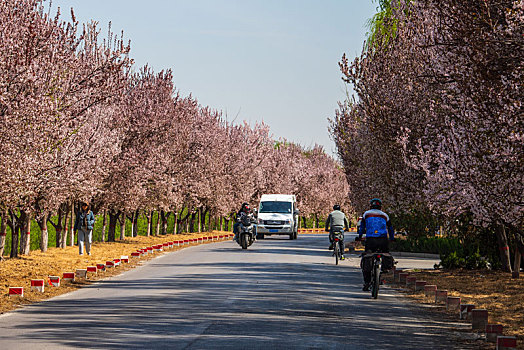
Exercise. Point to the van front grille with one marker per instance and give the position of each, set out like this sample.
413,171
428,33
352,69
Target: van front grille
273,222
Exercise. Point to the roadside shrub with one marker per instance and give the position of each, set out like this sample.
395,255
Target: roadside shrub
452,261
454,253
462,259
433,245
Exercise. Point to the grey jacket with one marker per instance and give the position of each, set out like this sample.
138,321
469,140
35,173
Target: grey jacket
337,219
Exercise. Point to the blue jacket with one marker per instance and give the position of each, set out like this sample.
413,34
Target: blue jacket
83,218
376,223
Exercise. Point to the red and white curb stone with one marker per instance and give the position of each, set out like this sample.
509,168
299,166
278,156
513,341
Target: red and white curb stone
54,281
16,292
68,276
37,285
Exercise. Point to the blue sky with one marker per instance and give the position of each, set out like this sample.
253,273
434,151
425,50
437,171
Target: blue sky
256,60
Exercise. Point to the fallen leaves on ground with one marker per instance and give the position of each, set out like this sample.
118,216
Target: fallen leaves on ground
18,272
496,291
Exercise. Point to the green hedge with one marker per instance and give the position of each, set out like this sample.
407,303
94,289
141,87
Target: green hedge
432,245
472,253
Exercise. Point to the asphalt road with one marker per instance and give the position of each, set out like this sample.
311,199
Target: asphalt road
279,294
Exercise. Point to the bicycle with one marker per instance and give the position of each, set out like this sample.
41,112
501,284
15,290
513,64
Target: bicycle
376,269
338,240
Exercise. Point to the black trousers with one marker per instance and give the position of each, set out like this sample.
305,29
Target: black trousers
377,244
373,245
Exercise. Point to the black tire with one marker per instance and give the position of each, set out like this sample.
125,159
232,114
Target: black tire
376,281
244,241
335,251
295,235
291,236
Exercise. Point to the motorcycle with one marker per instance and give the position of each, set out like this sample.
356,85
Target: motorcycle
246,230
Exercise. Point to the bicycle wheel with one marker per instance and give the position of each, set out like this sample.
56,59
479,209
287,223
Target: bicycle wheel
336,253
376,280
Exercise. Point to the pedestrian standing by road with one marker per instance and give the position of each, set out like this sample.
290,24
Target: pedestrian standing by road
84,223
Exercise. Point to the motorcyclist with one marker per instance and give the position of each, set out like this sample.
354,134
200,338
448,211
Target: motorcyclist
377,227
243,209
336,220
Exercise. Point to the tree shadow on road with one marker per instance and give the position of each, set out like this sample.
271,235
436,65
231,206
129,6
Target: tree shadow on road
231,305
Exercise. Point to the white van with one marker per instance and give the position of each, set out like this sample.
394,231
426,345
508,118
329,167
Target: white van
277,215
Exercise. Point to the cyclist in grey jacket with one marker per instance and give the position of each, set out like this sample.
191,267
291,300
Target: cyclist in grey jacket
336,220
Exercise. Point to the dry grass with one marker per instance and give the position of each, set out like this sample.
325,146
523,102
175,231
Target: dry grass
18,272
495,291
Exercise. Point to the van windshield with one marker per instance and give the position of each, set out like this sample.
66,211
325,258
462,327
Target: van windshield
275,207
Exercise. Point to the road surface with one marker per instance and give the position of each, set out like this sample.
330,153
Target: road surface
279,294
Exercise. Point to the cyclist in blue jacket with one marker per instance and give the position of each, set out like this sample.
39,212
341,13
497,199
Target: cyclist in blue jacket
377,227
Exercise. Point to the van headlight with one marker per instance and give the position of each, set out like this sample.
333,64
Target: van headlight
287,222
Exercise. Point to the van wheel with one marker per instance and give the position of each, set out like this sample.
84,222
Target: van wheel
295,235
291,236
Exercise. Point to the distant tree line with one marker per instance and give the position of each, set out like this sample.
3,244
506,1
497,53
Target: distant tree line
78,122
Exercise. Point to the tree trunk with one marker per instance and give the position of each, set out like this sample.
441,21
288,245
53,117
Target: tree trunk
175,223
199,226
66,228
104,225
135,223
153,233
14,235
132,219
164,222
226,222
3,233
149,217
25,230
316,221
157,232
44,235
304,222
221,223
519,254
22,239
72,225
503,247
122,222
516,263
113,218
192,222
58,228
